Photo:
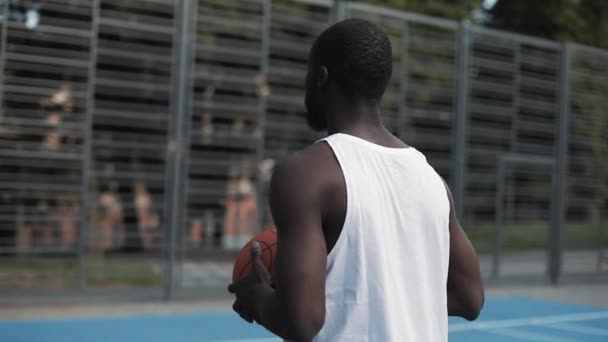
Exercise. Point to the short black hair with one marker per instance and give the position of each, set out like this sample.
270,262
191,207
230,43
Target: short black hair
358,56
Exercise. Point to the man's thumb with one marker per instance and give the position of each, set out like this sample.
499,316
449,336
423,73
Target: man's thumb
256,252
256,261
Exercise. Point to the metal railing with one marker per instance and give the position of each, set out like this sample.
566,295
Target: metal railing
146,131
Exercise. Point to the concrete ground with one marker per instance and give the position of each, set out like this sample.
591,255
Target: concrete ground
595,294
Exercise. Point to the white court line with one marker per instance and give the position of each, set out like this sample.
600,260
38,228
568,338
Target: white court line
530,336
502,325
535,320
252,340
579,329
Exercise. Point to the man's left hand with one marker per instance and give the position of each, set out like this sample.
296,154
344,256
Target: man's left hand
250,290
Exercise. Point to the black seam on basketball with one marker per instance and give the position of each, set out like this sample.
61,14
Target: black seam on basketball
239,274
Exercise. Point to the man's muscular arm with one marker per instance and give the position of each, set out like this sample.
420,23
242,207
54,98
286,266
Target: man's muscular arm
296,310
465,288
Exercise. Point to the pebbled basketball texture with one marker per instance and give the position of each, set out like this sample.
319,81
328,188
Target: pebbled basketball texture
268,249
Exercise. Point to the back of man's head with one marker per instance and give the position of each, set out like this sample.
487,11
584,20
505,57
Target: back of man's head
358,57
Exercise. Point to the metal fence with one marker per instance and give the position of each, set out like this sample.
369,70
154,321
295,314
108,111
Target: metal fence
137,137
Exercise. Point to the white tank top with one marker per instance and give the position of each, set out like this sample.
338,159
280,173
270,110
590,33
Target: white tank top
387,273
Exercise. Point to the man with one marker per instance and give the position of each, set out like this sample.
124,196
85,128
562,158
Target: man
369,246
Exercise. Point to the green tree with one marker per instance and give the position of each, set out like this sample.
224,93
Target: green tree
451,9
584,21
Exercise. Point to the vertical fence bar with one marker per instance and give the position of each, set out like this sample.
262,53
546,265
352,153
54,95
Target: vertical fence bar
260,150
510,191
499,225
338,10
6,14
558,210
601,255
3,43
179,142
87,158
459,163
188,112
402,119
516,87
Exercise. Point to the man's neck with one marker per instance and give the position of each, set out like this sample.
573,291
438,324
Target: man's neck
354,118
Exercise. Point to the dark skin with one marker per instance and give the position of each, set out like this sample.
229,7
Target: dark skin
308,205
465,287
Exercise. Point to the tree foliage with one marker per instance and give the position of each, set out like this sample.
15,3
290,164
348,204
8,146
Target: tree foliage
584,21
452,9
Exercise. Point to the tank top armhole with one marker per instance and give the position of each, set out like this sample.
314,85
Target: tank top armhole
349,200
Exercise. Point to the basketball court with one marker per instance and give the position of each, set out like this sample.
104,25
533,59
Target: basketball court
504,318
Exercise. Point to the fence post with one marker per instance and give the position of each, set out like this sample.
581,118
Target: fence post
339,10
510,192
3,43
499,224
87,158
403,111
263,94
461,121
178,142
560,172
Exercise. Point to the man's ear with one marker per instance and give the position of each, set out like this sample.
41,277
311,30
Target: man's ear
323,77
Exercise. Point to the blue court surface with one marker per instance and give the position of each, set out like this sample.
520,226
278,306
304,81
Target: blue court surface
503,319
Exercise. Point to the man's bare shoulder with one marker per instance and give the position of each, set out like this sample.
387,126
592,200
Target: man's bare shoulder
312,157
312,167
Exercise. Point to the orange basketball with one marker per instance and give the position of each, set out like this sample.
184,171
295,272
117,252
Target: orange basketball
268,249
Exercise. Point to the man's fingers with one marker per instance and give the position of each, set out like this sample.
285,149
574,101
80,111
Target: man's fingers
261,271
248,318
258,266
256,253
238,308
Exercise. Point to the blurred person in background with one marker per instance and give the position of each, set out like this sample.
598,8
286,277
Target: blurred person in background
110,223
230,214
195,233
132,241
66,216
265,170
27,225
207,116
203,231
241,209
57,106
38,227
147,220
25,233
210,229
